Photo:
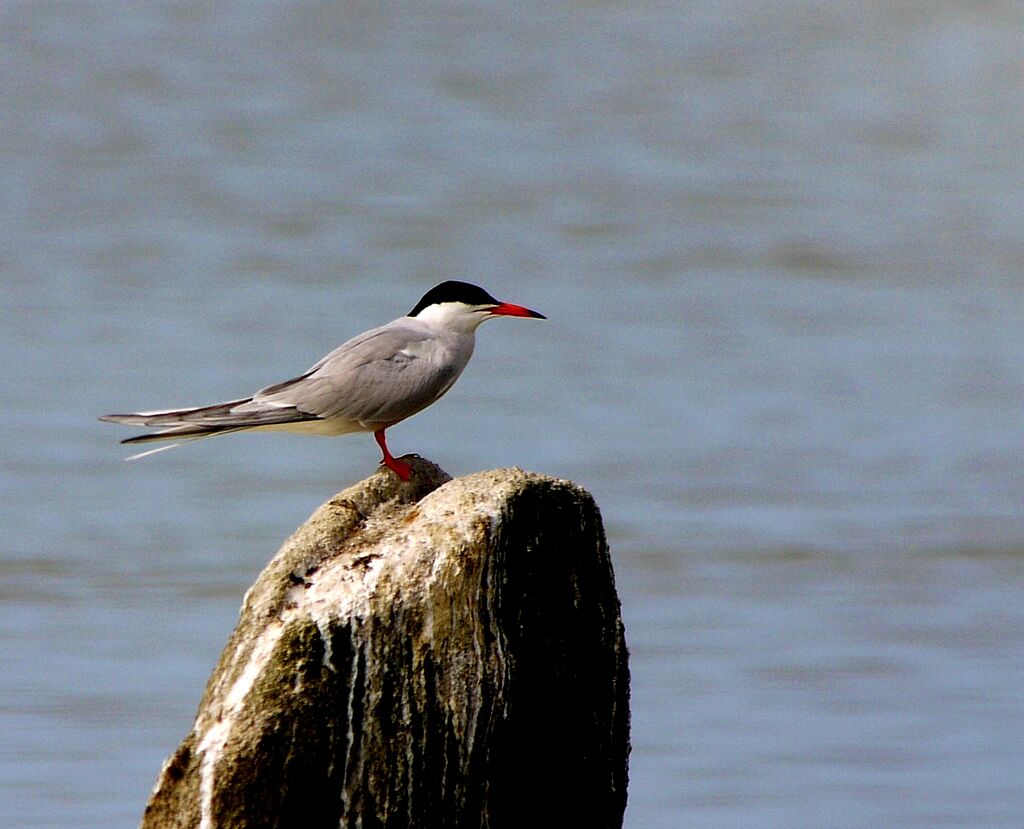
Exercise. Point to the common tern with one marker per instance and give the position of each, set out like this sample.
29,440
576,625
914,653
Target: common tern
369,384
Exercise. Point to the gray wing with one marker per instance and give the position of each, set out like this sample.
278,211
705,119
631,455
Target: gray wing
375,379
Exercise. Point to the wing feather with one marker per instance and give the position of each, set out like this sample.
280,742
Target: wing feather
375,379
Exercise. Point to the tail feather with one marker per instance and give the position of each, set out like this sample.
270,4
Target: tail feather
149,452
179,435
232,416
183,433
205,421
178,438
178,417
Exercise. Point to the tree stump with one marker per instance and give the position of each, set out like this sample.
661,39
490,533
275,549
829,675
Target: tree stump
437,653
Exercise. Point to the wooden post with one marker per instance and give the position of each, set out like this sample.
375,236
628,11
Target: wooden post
438,653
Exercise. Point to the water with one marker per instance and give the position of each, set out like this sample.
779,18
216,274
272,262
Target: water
780,248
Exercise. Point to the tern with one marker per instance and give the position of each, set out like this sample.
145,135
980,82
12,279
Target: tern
368,384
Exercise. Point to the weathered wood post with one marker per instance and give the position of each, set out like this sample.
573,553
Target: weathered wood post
438,653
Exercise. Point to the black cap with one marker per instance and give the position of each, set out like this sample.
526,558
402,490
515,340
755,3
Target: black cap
453,291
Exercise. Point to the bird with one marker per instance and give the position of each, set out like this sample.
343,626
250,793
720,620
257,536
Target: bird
368,384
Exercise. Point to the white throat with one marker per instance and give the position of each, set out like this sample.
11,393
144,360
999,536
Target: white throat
454,316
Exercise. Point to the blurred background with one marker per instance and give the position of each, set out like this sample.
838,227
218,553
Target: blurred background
780,245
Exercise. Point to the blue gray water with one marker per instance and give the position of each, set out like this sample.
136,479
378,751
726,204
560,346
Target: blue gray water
780,246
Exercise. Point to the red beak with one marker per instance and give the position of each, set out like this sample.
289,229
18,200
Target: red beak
507,309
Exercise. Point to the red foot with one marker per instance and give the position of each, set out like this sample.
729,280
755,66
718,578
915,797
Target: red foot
402,470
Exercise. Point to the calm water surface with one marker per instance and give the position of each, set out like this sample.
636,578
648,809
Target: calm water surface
780,245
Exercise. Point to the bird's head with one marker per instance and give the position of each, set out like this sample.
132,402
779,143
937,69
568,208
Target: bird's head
462,306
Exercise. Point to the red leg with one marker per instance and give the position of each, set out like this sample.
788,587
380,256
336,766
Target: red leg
402,470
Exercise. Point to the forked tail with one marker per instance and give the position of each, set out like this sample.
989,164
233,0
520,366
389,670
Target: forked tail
182,425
